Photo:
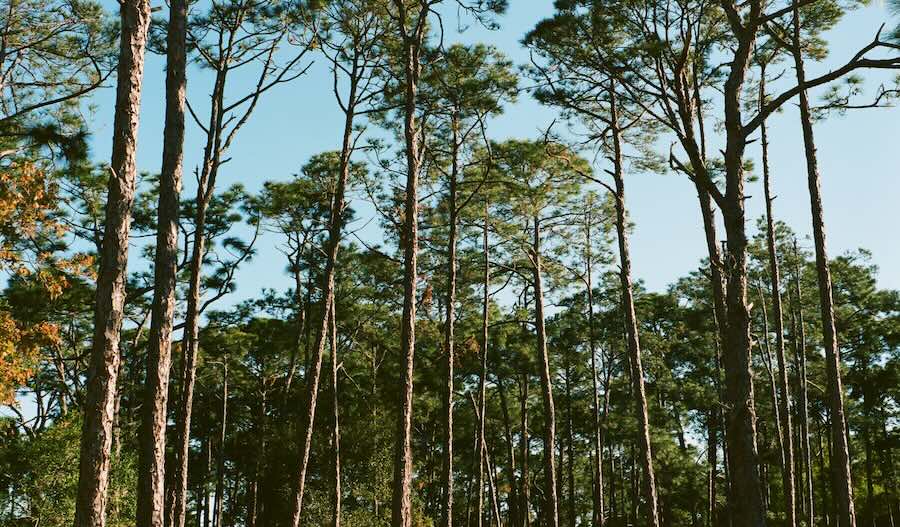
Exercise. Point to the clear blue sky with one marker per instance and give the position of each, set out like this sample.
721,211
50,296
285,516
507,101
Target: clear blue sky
859,157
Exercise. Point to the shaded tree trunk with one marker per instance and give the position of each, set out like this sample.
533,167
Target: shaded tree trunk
336,424
412,39
482,377
97,428
551,502
449,327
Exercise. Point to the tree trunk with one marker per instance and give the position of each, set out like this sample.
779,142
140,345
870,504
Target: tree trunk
96,434
746,504
450,322
597,517
787,426
551,504
631,325
525,448
803,403
151,496
336,424
482,377
841,462
191,338
220,461
401,515
335,227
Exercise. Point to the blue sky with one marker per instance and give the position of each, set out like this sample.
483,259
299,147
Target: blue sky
859,156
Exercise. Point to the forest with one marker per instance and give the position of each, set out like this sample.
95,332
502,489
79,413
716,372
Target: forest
439,319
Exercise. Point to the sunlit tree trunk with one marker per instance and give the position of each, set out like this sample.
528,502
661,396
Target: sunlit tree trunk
97,428
151,496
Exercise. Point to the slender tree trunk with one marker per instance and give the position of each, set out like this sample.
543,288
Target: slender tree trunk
570,446
450,323
787,427
631,325
220,461
841,461
401,515
97,429
551,503
525,448
335,227
482,377
191,337
151,496
597,517
803,403
336,424
512,502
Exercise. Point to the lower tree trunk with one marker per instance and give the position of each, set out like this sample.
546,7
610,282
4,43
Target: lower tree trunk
336,428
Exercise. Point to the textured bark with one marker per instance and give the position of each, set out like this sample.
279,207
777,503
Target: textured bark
191,338
631,328
550,509
512,502
151,496
745,499
336,224
840,463
787,427
97,429
412,40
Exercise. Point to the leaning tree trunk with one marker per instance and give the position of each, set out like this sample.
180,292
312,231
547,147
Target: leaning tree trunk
803,403
97,429
335,228
787,426
631,326
550,509
151,497
840,464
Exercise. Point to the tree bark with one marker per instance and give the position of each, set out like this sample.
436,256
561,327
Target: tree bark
787,426
449,327
97,428
220,460
597,517
401,512
803,403
151,497
525,449
336,224
631,326
482,377
841,462
336,423
745,498
551,503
